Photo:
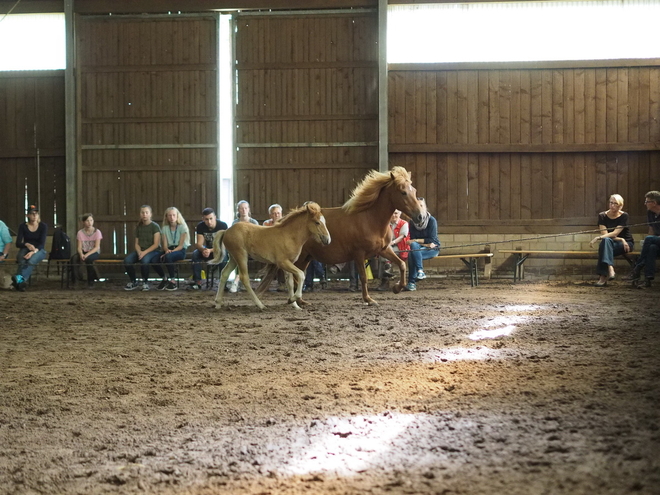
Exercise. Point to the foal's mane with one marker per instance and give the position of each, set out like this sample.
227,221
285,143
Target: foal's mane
366,192
310,207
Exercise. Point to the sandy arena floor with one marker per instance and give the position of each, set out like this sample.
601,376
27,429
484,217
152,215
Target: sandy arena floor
537,388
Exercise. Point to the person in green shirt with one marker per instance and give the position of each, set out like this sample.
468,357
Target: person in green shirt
147,250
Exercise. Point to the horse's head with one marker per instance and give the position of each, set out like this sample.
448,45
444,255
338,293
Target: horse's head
404,195
316,225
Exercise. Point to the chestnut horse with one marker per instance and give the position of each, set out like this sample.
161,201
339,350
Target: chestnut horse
360,229
279,246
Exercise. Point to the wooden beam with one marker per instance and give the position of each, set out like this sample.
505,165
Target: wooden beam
522,148
551,64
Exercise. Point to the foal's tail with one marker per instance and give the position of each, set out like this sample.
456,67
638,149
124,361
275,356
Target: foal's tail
218,247
270,272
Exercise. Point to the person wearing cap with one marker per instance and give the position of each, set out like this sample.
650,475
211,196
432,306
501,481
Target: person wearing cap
31,243
203,252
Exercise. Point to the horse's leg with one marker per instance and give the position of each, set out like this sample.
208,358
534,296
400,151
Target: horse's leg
362,272
244,276
389,254
301,263
294,274
229,267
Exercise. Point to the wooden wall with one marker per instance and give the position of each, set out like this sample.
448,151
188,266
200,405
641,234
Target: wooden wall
511,150
307,104
148,119
31,123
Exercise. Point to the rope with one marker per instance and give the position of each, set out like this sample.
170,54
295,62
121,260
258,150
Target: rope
534,238
10,10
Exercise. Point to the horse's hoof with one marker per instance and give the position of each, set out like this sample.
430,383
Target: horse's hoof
294,305
396,289
370,302
302,302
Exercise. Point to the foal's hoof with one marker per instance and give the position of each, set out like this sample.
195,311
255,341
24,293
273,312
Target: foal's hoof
397,288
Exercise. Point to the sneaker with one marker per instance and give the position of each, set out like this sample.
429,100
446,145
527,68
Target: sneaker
132,286
145,286
163,284
646,284
171,286
196,286
411,286
324,284
635,273
420,275
233,287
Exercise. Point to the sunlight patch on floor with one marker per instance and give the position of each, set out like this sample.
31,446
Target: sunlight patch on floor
350,445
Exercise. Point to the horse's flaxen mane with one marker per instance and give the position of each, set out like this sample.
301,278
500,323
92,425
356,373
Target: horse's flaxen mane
366,192
310,207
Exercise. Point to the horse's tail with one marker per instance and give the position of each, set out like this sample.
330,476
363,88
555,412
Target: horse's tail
269,275
218,247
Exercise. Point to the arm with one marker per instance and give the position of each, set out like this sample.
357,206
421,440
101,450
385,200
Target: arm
95,249
432,234
182,241
20,241
153,247
206,252
79,248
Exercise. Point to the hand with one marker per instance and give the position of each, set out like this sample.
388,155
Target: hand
433,245
140,254
28,255
593,241
626,247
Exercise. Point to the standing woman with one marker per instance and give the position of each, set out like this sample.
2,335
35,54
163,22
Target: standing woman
89,249
31,241
147,250
615,238
176,239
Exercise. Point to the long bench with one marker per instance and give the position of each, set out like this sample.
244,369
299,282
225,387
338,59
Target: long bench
523,254
470,261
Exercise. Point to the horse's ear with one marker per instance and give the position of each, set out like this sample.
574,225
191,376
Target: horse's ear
392,175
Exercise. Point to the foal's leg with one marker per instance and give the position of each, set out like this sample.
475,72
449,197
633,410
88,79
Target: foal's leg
294,274
242,261
229,267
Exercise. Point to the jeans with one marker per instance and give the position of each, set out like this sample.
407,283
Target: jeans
89,261
25,267
415,257
608,249
314,268
147,260
171,258
650,251
198,259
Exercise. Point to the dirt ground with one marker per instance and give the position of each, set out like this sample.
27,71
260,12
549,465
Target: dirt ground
531,388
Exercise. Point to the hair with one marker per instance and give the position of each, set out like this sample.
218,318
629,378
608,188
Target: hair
618,198
653,196
85,216
179,217
366,192
207,211
308,207
272,207
240,203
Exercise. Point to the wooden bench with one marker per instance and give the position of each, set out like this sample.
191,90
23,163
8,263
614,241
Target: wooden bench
523,254
470,261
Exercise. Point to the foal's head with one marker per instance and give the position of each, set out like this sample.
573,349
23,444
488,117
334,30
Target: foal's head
317,224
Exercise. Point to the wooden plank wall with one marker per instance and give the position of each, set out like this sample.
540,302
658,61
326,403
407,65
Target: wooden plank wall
307,107
512,150
148,120
31,119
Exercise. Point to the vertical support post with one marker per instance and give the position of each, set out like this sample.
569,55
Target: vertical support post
70,124
383,157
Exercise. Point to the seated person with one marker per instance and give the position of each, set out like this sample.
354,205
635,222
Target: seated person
5,241
205,231
651,245
147,250
88,250
31,242
423,245
615,238
175,237
399,243
243,214
275,213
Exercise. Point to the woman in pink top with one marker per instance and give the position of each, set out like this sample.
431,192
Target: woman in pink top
89,249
